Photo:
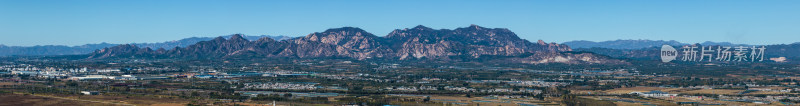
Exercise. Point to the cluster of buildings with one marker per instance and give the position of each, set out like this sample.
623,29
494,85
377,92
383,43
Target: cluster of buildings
100,77
461,89
536,83
493,90
294,94
28,69
523,83
53,72
114,73
291,86
359,76
619,72
411,88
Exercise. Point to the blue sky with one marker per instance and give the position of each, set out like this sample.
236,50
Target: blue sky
77,22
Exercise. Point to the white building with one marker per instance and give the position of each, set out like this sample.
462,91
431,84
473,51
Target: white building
90,77
25,72
655,93
108,70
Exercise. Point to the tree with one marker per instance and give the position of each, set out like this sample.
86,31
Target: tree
569,100
72,83
785,100
195,94
287,95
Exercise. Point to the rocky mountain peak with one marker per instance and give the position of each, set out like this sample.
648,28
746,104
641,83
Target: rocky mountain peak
219,39
478,29
541,42
237,38
124,46
265,39
411,32
120,50
344,29
339,35
161,50
473,26
420,27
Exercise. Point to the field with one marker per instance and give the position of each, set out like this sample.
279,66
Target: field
712,101
9,99
712,91
119,99
631,101
487,101
7,83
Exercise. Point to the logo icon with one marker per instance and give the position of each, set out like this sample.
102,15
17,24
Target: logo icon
668,53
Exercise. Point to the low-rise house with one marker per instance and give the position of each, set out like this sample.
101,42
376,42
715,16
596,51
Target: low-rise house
90,92
204,76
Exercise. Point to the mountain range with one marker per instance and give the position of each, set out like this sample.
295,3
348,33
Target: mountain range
638,44
650,49
420,42
89,48
789,51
